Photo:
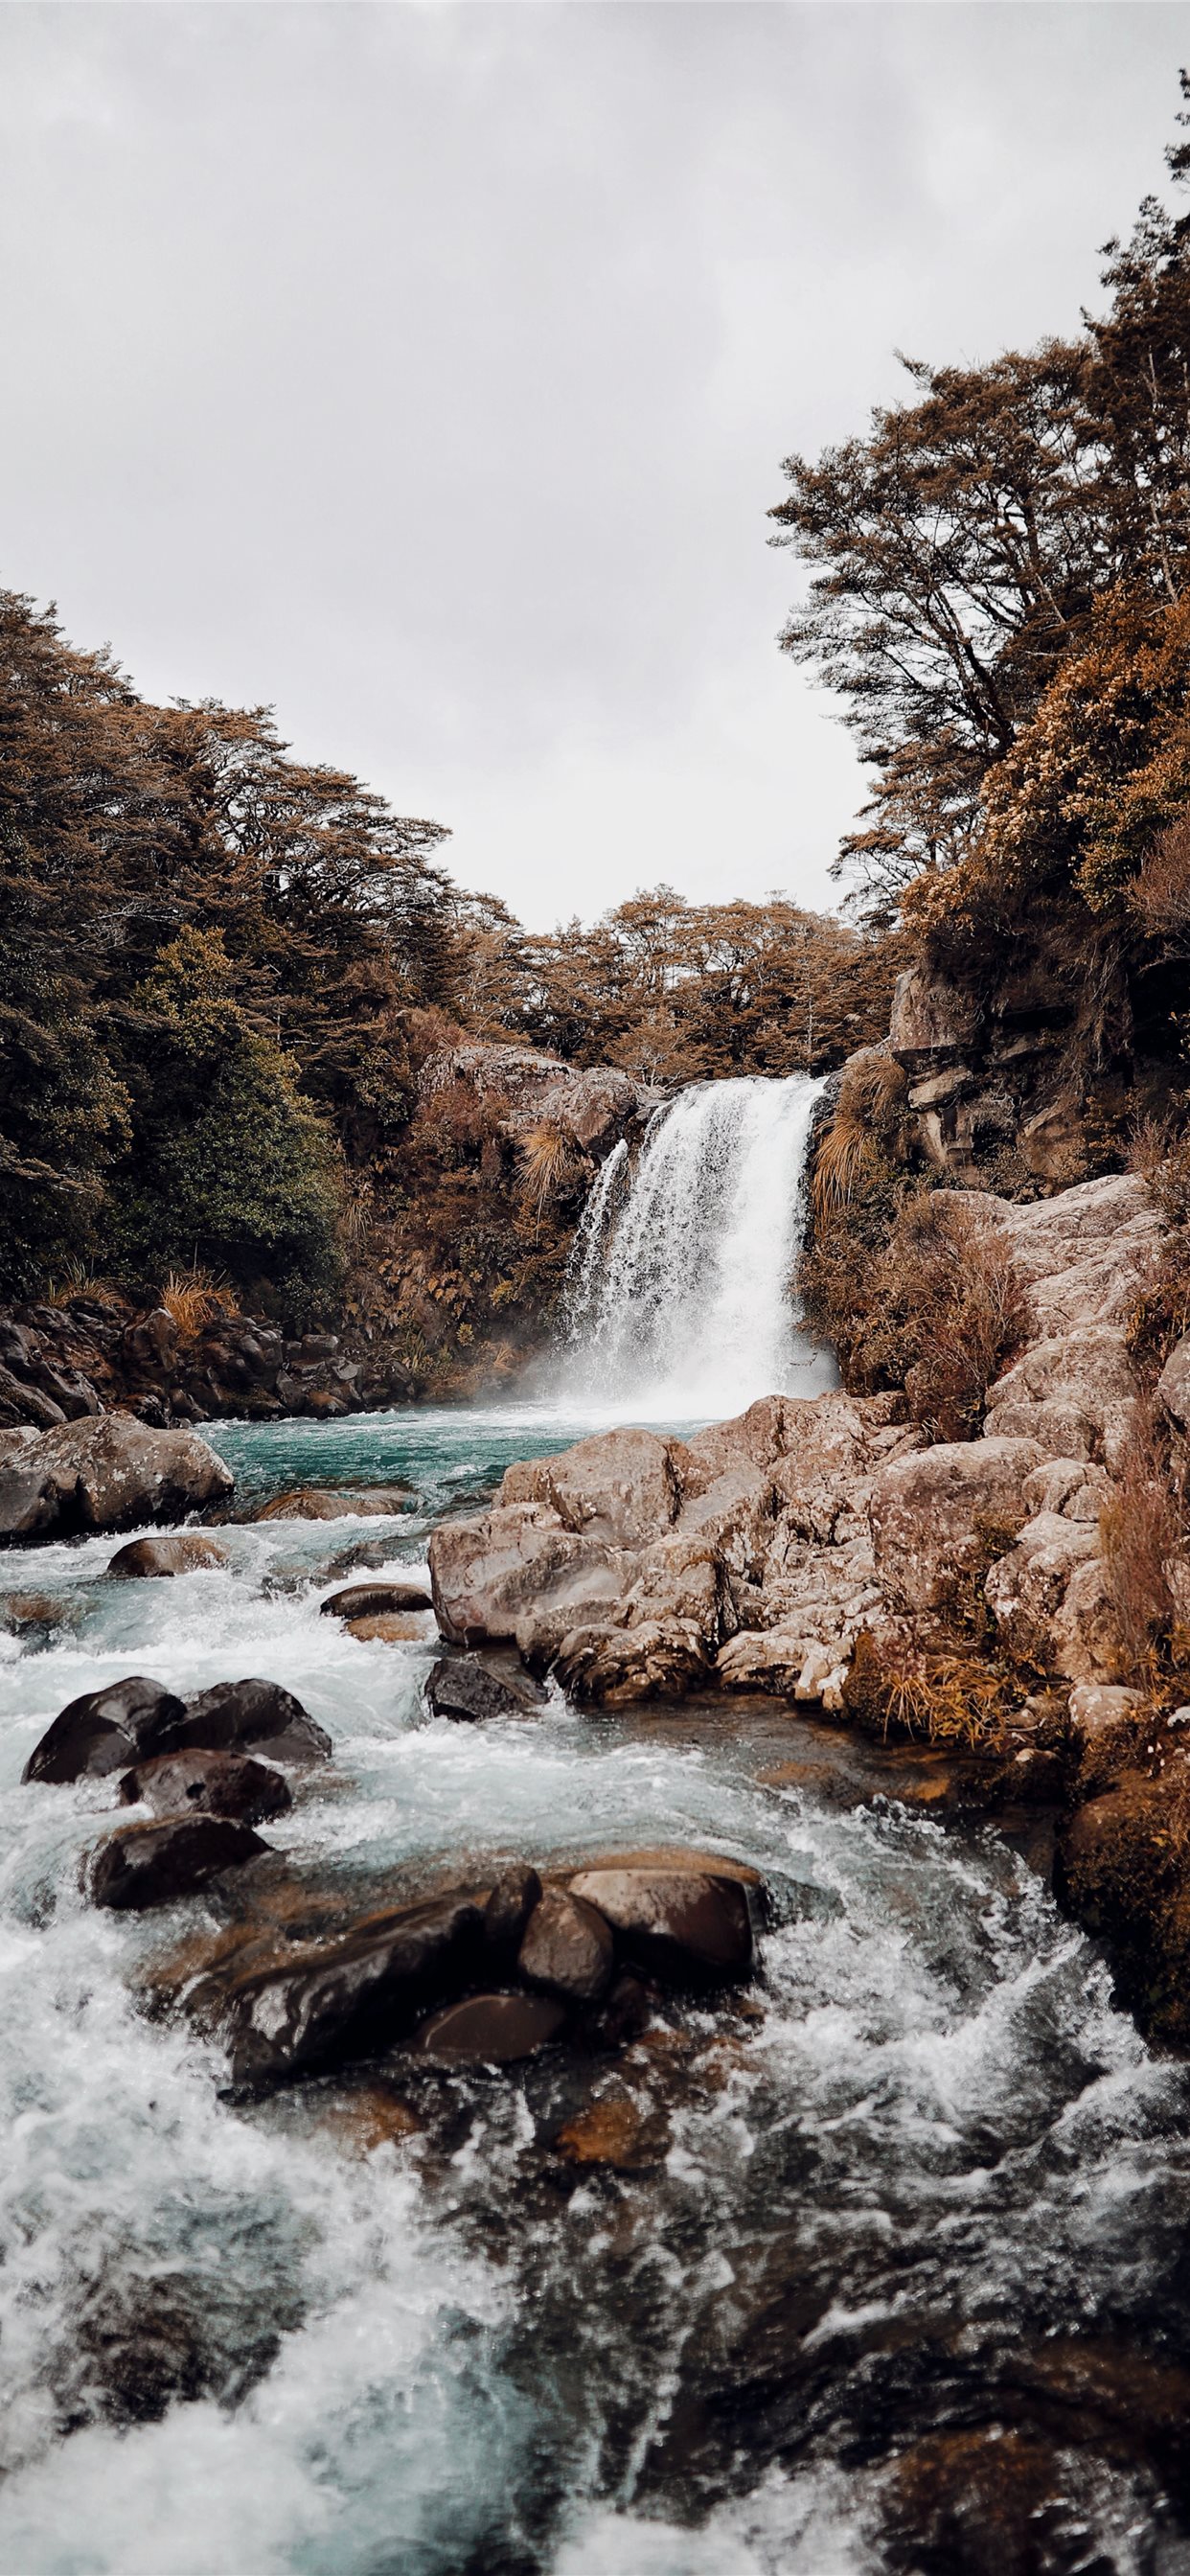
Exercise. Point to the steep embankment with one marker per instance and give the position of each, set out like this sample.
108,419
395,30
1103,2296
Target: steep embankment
458,1258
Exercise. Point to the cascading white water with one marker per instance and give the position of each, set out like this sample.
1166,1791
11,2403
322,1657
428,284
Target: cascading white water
681,1300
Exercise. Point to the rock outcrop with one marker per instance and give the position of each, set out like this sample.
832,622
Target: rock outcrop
751,1557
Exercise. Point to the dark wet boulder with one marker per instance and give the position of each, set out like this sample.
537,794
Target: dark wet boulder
103,1730
467,1690
143,1865
687,1927
107,1471
210,1784
492,2030
375,1600
568,1949
350,1998
320,1503
182,1552
237,1716
509,1906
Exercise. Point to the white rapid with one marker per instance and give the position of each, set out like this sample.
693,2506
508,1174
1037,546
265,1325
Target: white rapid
681,1298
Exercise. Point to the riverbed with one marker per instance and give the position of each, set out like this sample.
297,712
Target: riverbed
892,2275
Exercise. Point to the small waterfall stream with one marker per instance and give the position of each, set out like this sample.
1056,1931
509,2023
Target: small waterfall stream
681,1295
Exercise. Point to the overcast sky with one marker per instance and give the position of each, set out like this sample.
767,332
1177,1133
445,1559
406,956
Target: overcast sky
426,370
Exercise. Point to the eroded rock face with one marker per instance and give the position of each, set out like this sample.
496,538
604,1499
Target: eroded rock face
933,1514
620,1487
145,1865
106,1471
656,1659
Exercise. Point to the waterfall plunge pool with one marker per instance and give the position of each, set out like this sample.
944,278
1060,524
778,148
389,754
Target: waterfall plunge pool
895,2277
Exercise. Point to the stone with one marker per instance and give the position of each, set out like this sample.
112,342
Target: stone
186,1553
102,1731
491,2030
468,1691
756,1439
567,1949
22,1611
617,2132
233,1715
615,1667
685,1577
509,1906
687,1927
316,1503
374,1600
619,1487
144,1865
107,1471
1084,1633
21,1403
486,1574
728,1524
1173,1385
352,1998
932,1511
211,1784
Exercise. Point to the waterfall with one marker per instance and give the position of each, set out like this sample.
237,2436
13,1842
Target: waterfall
680,1298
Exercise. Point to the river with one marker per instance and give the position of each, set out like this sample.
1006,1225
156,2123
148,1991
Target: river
890,2274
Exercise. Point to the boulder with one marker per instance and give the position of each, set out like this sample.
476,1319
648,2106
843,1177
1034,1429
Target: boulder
1173,1385
756,1438
351,1998
316,1503
933,1512
22,1403
619,1487
1027,1588
144,1865
1074,1392
238,1714
509,1906
1070,1486
374,1600
567,1949
470,1692
1103,1733
107,1471
688,1927
187,1552
684,1578
209,1784
1084,1636
489,1573
657,1659
103,1730
491,2030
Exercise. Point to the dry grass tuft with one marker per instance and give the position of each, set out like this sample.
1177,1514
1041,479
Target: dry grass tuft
940,1697
1141,1538
548,1162
193,1298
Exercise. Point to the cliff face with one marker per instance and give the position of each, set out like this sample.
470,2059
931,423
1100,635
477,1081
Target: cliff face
994,1071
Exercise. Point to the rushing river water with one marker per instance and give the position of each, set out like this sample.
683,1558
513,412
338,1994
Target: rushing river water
898,2274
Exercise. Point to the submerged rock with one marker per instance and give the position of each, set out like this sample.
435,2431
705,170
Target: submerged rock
186,1553
374,1600
144,1865
103,1730
106,1471
492,2030
214,1784
350,1998
617,2132
472,1692
320,1503
568,1949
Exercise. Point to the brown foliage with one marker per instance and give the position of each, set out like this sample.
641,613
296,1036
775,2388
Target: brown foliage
943,1696
1161,895
1141,1538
